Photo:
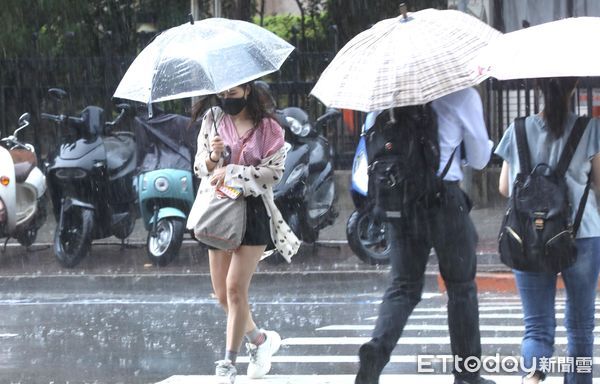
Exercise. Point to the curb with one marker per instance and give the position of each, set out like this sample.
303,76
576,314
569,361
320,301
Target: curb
499,282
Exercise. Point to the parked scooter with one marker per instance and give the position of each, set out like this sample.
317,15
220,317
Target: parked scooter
165,183
22,188
306,193
91,181
368,237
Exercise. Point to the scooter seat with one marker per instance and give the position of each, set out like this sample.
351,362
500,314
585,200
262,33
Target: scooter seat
24,161
120,152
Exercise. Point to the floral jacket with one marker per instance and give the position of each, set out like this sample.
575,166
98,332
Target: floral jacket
253,181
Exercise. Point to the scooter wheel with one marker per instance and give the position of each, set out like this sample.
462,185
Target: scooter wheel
27,236
368,238
164,243
72,242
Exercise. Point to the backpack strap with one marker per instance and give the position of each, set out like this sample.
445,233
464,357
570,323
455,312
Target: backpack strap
571,145
563,163
581,207
522,146
449,163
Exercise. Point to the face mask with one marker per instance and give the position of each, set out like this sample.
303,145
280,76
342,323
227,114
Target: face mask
233,106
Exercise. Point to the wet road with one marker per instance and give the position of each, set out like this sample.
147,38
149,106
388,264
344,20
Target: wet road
116,319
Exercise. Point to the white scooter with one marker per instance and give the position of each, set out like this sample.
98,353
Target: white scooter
22,189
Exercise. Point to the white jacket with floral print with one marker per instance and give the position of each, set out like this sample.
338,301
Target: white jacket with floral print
253,181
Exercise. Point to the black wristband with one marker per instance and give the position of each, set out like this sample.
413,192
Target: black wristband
210,157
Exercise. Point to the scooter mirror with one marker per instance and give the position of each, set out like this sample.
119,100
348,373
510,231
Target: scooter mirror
57,93
24,119
124,106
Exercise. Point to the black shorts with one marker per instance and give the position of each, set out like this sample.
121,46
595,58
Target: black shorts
258,230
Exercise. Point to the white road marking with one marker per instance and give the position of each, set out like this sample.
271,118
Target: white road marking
434,327
409,341
346,379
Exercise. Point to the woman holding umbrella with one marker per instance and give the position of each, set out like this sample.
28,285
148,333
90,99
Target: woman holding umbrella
242,146
546,134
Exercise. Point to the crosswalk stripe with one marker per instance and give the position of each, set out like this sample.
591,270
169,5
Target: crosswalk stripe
345,379
408,340
501,308
481,316
434,327
326,359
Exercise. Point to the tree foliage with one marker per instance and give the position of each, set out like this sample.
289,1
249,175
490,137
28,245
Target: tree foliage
354,16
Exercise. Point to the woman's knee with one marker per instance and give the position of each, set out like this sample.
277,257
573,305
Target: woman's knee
221,295
236,294
580,327
542,329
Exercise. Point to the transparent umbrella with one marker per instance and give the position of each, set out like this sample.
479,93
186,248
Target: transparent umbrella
200,58
407,60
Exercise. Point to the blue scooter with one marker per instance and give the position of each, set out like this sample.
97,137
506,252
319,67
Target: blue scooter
165,182
368,237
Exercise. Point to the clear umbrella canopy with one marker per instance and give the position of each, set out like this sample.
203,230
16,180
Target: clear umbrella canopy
555,49
405,61
208,56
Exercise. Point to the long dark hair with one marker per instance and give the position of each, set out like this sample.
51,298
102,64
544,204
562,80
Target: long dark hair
259,104
557,101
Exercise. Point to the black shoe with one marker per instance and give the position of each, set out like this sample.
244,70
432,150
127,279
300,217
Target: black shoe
474,380
372,362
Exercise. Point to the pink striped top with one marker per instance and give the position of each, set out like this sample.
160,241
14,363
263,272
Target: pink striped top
258,143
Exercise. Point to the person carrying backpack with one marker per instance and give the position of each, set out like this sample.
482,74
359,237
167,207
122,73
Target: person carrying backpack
547,134
439,220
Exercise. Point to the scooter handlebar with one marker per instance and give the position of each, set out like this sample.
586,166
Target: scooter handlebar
62,118
331,113
57,118
124,108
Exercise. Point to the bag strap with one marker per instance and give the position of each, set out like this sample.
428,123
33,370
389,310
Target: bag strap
522,146
563,163
582,204
571,145
448,164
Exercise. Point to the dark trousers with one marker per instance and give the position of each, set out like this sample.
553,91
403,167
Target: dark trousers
450,231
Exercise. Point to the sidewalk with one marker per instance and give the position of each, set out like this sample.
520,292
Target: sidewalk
492,274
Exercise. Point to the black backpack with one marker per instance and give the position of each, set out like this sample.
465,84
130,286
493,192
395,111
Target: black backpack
537,233
404,155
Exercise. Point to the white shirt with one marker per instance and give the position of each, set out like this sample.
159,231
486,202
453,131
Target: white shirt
460,119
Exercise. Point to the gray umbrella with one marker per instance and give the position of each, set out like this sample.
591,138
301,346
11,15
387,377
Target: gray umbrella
208,56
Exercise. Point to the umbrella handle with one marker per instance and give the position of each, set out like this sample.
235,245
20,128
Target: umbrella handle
214,121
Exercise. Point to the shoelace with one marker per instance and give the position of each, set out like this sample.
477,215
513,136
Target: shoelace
252,351
223,367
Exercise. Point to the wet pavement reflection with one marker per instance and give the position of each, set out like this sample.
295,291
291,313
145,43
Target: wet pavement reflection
116,318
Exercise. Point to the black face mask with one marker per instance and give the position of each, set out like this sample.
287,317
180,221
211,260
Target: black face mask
233,106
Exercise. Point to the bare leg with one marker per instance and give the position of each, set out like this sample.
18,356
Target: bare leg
220,262
241,268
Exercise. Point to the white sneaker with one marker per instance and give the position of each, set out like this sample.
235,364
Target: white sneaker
260,357
225,372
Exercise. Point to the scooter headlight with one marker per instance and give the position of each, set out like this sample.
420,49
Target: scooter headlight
4,180
296,173
161,184
305,130
295,125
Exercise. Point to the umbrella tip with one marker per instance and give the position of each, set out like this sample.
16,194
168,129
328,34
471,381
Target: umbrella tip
403,10
191,18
